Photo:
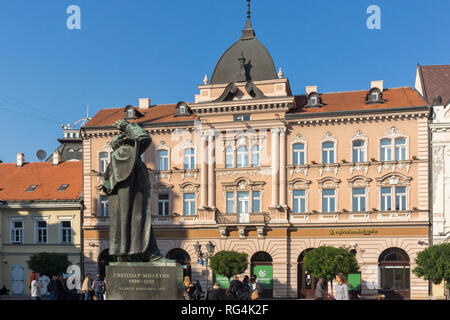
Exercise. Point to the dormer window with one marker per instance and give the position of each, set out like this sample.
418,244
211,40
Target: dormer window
131,113
375,96
182,109
314,100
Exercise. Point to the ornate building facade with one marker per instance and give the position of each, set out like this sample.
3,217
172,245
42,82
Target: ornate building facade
255,168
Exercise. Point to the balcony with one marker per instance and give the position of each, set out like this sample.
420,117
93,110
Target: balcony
243,219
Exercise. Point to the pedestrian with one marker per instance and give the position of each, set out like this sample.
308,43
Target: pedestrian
36,287
245,293
321,289
197,291
187,287
341,287
53,288
99,287
63,290
235,287
215,293
86,288
254,292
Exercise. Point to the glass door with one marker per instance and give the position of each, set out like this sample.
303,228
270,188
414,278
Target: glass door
243,207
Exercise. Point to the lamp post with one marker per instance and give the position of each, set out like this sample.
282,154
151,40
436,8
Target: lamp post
203,257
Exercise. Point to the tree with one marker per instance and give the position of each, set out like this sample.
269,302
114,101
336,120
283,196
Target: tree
433,264
229,263
49,264
326,262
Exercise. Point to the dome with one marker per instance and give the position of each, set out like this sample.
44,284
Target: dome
246,60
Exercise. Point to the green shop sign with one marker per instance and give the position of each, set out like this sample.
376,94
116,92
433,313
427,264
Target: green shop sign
222,281
354,281
264,275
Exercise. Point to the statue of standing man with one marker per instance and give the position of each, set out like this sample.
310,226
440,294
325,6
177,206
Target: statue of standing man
127,184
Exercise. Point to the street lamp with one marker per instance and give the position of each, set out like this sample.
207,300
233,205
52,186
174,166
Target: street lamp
203,257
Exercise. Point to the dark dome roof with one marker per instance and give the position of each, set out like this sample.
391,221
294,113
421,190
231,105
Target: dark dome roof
258,62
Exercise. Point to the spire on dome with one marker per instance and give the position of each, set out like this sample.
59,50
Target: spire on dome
248,32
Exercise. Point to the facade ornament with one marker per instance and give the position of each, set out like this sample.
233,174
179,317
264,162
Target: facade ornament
241,230
299,170
260,231
280,74
205,80
394,180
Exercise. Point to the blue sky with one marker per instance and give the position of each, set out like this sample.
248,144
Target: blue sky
162,49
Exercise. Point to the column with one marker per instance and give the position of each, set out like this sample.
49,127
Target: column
283,177
211,171
204,171
275,150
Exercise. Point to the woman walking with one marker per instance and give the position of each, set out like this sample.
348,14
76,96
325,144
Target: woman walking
341,287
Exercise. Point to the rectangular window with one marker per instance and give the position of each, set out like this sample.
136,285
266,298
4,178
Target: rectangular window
400,199
242,118
66,232
256,202
299,154
189,159
189,204
103,161
400,149
255,156
328,153
359,151
242,157
359,200
230,202
163,160
386,150
386,199
17,231
41,232
299,201
104,203
329,200
243,202
163,205
229,158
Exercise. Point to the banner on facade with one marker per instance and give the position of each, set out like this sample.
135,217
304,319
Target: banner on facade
264,275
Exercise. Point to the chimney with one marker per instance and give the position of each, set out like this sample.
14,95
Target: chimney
377,84
20,159
310,89
144,103
56,158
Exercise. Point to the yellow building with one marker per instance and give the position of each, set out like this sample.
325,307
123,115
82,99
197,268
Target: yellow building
40,211
255,168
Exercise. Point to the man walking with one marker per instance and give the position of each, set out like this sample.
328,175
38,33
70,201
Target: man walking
321,290
99,287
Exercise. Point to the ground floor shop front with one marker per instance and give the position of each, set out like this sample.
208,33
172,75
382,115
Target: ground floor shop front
386,256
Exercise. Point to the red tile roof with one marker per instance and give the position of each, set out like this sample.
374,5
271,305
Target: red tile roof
155,114
356,101
437,81
14,181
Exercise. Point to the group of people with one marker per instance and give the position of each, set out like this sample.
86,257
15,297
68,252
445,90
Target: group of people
341,290
247,289
58,290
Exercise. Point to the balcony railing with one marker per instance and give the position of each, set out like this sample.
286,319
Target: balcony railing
243,219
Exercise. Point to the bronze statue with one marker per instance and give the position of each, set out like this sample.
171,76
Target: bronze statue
127,184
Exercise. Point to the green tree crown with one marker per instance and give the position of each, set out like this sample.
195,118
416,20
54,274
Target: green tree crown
433,264
49,264
229,263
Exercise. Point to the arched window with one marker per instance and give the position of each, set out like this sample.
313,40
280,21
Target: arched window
255,156
298,154
163,160
229,157
242,157
189,159
328,152
359,151
103,161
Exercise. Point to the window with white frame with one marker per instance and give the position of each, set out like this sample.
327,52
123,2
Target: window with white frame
359,199
229,157
400,199
328,152
163,205
256,202
41,231
386,150
65,231
299,201
163,160
400,149
243,204
328,200
255,156
386,199
359,151
16,227
298,154
189,159
103,206
103,158
230,202
189,204
242,157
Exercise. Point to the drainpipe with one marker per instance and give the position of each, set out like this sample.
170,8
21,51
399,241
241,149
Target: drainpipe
430,189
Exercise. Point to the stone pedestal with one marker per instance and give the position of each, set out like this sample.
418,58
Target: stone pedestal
144,281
